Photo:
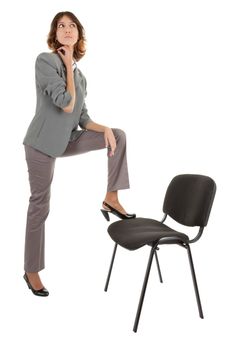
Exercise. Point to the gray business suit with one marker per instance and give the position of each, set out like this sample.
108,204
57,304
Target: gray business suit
53,133
51,128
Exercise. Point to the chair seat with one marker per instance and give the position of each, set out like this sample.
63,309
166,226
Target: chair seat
135,233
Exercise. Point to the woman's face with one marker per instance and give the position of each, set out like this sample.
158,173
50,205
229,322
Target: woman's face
67,31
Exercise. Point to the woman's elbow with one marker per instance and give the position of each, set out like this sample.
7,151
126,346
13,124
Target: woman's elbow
68,109
70,106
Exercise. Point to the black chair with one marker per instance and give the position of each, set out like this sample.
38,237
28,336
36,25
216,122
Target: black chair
188,201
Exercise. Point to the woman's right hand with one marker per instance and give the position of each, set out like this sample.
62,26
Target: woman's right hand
66,54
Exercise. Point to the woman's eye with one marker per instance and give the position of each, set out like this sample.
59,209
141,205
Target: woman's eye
62,25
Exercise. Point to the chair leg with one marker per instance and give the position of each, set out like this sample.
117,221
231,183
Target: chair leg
110,268
194,281
143,289
158,267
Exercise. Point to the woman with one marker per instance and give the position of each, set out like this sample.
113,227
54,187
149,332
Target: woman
53,132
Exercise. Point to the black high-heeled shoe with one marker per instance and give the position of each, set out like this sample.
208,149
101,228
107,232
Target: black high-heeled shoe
43,292
114,211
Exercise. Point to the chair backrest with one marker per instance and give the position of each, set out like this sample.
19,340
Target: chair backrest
189,199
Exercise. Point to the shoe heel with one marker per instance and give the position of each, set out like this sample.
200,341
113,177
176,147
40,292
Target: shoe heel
26,280
105,214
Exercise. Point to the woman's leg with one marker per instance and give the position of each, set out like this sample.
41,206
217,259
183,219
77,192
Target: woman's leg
118,178
40,170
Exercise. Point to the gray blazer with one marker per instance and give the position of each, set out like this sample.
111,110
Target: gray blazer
51,129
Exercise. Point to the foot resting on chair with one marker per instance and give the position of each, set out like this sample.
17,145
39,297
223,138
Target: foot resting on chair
113,206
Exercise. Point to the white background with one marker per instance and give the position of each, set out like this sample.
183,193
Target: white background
162,71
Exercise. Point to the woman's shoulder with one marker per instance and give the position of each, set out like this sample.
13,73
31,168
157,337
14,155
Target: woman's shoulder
45,55
49,57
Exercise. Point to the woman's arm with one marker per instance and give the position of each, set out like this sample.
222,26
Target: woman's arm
95,127
50,82
109,137
66,53
70,87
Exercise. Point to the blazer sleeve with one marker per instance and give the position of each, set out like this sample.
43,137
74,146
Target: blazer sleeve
50,82
84,117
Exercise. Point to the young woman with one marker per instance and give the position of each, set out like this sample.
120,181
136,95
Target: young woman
54,132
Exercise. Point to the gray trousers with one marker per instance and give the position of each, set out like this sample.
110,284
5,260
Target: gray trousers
41,170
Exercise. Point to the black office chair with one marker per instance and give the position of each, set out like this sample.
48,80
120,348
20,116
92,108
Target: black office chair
188,201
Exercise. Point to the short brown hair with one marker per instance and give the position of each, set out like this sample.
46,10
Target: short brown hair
79,47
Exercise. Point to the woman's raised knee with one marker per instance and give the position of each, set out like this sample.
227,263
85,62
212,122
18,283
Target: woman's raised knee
119,134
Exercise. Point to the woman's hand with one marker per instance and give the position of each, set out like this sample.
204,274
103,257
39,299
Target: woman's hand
66,54
109,138
110,141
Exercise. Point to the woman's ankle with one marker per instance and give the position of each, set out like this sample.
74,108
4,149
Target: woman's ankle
32,274
34,279
111,197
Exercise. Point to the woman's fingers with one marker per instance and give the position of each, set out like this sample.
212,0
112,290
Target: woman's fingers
112,145
110,141
62,50
106,140
66,54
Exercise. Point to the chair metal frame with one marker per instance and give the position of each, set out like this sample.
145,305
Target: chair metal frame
153,252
